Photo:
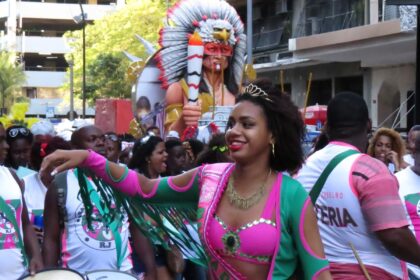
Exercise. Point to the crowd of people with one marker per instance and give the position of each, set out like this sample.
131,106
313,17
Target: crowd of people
264,210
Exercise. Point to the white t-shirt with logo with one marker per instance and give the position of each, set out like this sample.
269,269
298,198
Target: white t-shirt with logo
410,195
11,259
84,250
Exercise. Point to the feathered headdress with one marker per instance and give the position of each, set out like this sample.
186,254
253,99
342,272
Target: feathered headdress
207,17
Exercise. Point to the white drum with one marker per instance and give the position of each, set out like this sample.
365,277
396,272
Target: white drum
109,275
54,274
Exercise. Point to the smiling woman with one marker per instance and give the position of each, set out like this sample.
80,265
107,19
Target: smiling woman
236,203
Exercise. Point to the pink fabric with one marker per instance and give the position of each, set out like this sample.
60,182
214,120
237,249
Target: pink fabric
184,188
405,270
65,254
279,228
302,232
344,144
351,184
378,195
316,275
354,272
251,243
213,183
130,185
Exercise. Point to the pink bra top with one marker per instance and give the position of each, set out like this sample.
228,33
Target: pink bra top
254,242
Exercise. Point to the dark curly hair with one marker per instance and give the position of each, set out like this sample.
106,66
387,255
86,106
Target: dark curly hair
215,152
142,150
42,149
285,123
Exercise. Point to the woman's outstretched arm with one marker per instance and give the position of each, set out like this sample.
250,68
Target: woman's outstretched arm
120,177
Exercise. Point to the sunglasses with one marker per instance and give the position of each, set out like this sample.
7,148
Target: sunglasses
112,137
19,130
147,137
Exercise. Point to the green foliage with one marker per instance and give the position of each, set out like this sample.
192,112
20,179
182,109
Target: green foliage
12,76
107,77
108,37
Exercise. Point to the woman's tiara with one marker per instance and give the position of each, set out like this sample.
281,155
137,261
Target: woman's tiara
256,91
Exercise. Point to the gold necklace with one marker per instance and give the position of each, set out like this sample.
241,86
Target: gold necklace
245,203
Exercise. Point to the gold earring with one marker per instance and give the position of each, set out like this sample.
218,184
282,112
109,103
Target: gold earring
273,149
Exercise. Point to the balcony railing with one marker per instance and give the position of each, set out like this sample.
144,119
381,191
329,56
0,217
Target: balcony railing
45,68
47,45
51,79
317,25
321,16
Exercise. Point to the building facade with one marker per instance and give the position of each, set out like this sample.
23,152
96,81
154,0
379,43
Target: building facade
34,31
367,47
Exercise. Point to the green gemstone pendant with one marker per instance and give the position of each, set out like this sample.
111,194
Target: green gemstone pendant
231,241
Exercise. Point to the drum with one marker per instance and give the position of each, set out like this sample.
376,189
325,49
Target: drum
109,275
54,274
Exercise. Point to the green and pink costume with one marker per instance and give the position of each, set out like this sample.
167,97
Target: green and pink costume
284,247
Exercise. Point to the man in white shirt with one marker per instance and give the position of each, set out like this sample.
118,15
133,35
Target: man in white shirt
409,181
414,131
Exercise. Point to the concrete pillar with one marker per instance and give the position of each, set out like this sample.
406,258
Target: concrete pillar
11,26
373,11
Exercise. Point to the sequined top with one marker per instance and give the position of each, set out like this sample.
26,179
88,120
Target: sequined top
245,243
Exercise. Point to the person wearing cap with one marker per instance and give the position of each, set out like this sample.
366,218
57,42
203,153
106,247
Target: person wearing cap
360,216
172,135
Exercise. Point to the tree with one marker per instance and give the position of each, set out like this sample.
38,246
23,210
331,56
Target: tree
112,35
106,77
12,76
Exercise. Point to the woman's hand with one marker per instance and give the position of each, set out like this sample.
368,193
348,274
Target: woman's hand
392,156
62,160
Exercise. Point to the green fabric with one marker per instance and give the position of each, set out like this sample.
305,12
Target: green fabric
292,256
125,174
103,209
170,209
165,195
319,184
11,217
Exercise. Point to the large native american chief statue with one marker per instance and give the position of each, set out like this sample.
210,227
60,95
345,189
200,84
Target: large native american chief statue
201,60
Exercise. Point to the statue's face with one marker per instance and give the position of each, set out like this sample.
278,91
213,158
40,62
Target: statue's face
217,49
216,56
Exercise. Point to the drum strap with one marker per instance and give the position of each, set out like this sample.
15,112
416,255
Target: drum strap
60,183
11,217
112,222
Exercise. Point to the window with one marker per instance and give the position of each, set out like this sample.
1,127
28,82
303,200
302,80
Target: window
321,92
31,93
353,84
